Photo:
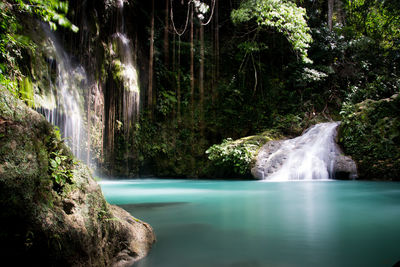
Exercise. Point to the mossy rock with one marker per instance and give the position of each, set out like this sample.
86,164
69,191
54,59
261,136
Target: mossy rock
49,223
370,133
236,157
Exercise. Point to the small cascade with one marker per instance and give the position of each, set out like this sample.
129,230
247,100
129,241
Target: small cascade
64,106
310,156
127,71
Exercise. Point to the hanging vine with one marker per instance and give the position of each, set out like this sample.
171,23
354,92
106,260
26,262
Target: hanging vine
201,9
187,19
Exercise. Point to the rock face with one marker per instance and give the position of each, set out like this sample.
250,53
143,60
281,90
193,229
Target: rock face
264,167
314,155
52,212
344,168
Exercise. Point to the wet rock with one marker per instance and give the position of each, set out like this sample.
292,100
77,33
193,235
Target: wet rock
267,162
344,168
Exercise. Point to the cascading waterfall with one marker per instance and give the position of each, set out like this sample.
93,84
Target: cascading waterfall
65,103
131,95
310,156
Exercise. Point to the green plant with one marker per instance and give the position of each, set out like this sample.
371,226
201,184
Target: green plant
283,16
51,11
60,163
229,154
370,134
59,171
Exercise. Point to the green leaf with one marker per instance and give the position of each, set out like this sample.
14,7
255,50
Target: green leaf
53,164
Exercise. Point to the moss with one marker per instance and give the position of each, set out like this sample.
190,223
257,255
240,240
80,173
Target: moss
117,70
27,92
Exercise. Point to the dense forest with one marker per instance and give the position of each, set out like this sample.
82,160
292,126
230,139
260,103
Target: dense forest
164,81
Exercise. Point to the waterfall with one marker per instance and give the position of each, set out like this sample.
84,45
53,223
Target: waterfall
310,156
64,106
127,71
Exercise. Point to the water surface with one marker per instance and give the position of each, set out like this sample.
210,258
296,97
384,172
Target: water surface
251,223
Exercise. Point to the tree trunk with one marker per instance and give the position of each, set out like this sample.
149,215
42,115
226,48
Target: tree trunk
89,122
151,61
166,28
191,67
178,83
174,53
201,79
330,14
214,93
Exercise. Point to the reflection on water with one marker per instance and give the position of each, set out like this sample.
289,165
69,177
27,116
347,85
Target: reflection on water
133,207
240,223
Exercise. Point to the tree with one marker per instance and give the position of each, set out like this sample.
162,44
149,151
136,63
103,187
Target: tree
284,17
216,51
330,13
166,34
191,66
201,79
151,62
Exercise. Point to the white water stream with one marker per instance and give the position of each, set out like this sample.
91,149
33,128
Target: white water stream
128,72
310,156
65,106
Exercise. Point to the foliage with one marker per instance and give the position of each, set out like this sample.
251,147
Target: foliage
370,133
13,44
59,171
167,150
368,65
51,11
167,102
228,154
60,162
283,16
289,124
235,156
375,19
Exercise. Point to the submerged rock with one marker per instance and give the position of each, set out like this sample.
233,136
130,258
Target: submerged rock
52,212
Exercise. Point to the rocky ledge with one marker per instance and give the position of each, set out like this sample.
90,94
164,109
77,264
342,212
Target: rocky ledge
52,212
